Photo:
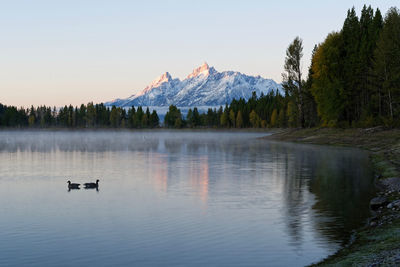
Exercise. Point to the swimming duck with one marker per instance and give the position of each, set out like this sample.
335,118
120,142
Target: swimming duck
73,185
92,185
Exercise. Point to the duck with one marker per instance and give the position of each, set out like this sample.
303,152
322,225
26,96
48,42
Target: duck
92,185
73,185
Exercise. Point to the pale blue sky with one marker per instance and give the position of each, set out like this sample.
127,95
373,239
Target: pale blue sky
62,52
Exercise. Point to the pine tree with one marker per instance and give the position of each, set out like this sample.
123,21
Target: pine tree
375,85
189,118
154,120
196,117
114,117
387,64
173,118
146,121
367,46
139,117
131,117
350,92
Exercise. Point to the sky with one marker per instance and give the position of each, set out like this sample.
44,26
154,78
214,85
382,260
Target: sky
57,53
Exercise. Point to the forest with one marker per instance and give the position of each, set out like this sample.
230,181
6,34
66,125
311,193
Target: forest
353,81
86,116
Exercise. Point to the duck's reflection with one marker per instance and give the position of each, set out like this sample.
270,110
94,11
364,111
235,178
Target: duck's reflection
72,189
92,188
75,189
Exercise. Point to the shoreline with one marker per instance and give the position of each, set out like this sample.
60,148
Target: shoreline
378,242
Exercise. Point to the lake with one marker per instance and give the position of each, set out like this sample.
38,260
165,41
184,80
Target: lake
176,198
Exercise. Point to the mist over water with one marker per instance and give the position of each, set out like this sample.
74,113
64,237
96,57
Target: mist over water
176,198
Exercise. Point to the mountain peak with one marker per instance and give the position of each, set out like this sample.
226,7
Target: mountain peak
166,77
202,70
205,65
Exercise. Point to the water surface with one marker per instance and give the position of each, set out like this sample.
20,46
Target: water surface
176,198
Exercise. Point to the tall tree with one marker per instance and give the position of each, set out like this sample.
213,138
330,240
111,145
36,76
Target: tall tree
350,35
292,77
387,63
310,106
375,86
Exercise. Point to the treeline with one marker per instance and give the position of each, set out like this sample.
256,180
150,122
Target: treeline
85,116
262,112
257,112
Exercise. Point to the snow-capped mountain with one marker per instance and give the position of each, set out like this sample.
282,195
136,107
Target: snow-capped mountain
203,87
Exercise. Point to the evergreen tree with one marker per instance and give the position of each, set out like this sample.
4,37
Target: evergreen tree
375,85
173,118
387,65
196,118
131,117
211,118
154,120
350,92
139,117
189,118
114,117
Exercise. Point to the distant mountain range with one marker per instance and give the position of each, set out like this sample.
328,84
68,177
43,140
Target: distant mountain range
203,87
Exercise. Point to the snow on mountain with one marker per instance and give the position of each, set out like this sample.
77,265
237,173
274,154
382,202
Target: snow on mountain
203,87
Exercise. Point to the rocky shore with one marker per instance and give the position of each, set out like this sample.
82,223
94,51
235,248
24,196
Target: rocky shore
378,243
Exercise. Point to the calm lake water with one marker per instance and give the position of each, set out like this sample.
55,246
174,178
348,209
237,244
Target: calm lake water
176,199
